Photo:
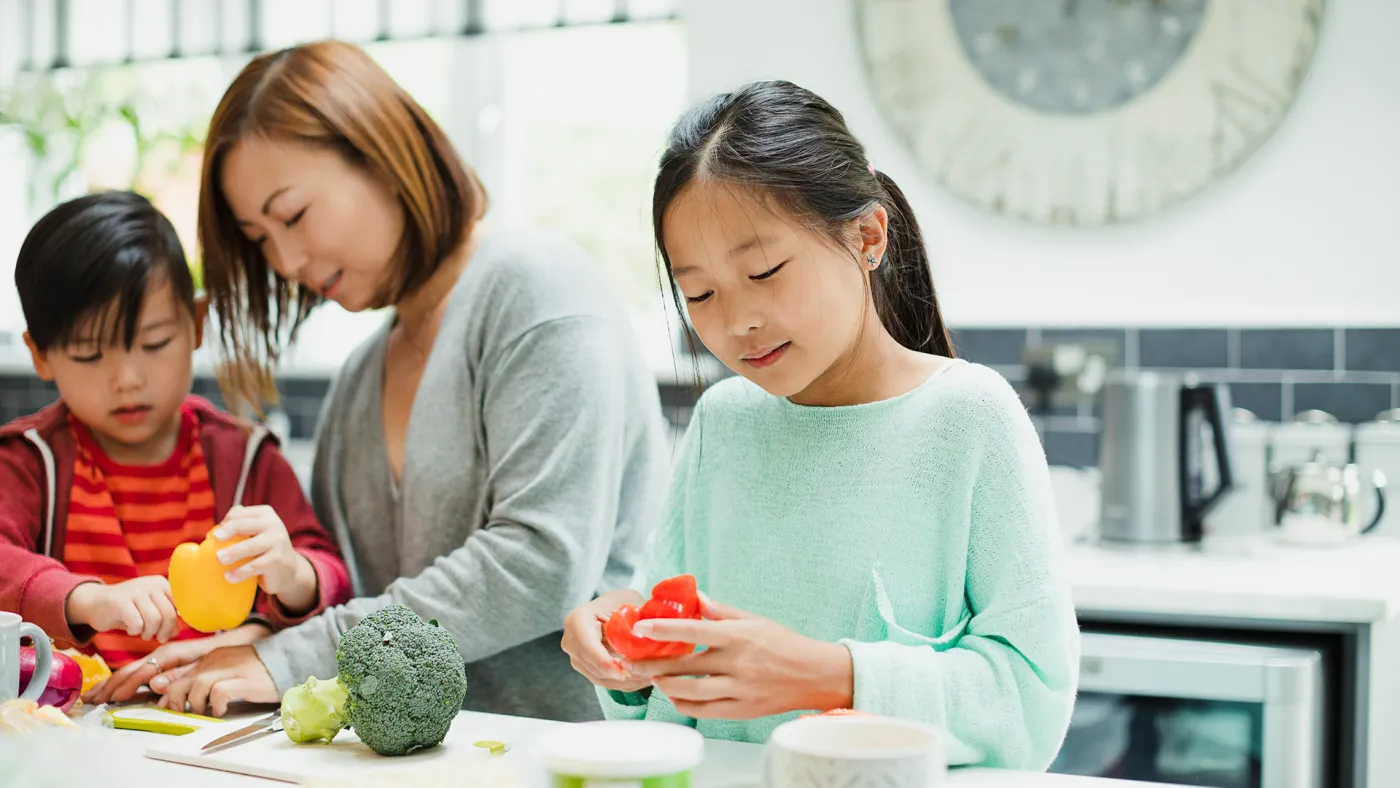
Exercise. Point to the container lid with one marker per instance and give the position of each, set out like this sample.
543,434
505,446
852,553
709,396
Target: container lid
631,749
1311,428
1247,428
1383,431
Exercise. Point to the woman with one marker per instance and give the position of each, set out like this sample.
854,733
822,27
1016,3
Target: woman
493,457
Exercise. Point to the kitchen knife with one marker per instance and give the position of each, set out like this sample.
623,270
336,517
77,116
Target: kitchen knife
272,723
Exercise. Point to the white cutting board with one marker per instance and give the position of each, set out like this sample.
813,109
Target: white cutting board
275,757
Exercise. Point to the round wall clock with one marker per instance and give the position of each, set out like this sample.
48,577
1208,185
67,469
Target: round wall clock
1084,112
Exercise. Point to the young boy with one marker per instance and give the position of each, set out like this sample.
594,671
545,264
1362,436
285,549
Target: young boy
98,489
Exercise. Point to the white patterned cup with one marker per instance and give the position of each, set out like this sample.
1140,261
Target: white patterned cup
855,752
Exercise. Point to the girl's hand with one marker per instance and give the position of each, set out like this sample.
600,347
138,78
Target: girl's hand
588,652
123,684
753,667
281,571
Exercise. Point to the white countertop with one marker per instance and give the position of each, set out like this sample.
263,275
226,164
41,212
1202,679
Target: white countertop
727,764
1242,578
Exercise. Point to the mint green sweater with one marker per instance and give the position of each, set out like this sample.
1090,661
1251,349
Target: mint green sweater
919,532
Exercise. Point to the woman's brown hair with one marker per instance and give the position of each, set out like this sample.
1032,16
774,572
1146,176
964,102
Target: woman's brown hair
331,94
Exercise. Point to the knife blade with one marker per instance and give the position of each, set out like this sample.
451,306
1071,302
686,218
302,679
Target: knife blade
259,728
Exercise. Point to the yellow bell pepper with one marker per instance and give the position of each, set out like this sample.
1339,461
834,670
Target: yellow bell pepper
94,667
203,597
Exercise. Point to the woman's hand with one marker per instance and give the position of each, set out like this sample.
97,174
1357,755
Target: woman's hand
753,667
281,571
227,675
588,652
123,684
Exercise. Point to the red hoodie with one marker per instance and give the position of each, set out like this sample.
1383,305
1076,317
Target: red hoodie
37,454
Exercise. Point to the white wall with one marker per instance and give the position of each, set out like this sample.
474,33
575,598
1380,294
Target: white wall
1306,233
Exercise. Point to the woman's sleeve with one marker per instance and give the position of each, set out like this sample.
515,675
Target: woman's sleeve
665,558
556,405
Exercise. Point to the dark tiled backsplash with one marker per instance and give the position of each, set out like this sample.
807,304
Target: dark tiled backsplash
1372,349
1188,348
1353,374
1294,348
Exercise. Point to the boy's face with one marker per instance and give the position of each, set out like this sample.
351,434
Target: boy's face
130,398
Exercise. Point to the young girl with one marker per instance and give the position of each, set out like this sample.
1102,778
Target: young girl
875,516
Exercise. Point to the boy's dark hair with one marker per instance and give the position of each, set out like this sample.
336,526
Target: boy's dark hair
790,146
90,261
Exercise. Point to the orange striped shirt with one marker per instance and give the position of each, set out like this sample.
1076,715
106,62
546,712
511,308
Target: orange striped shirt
124,522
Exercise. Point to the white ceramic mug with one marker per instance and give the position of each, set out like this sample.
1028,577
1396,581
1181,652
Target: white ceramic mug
855,752
12,630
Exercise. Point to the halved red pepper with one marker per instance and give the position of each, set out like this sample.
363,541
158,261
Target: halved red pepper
677,597
837,713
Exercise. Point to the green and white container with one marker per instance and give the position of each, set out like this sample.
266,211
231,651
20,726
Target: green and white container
622,754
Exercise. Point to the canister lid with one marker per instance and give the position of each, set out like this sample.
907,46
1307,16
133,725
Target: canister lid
624,749
1246,428
1384,431
1312,428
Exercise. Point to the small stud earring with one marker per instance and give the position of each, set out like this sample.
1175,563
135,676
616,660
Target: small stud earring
872,261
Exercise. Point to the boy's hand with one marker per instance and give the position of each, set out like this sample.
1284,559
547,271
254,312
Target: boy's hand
141,607
281,571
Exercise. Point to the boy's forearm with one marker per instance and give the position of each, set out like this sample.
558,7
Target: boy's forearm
78,611
78,606
244,635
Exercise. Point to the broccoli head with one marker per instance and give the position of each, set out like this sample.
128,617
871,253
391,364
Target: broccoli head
405,678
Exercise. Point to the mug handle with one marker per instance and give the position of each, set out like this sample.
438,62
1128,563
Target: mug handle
43,652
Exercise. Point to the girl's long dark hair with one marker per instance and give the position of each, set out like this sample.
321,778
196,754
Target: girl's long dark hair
790,146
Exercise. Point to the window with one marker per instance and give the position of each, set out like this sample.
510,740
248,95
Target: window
564,126
578,124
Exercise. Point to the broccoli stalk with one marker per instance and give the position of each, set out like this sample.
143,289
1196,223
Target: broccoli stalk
315,710
400,686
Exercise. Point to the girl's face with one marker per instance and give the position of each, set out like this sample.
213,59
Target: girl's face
775,301
322,222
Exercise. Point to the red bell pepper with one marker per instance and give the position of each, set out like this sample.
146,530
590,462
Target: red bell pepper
837,713
673,598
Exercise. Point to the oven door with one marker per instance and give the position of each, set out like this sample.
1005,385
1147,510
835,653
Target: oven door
1196,712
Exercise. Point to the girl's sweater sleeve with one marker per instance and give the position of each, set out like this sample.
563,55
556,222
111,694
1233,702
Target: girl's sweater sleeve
1005,689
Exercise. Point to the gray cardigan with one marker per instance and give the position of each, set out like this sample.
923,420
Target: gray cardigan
534,467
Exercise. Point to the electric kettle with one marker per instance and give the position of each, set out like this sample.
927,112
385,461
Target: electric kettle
1160,435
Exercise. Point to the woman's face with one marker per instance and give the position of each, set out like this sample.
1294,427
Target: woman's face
322,222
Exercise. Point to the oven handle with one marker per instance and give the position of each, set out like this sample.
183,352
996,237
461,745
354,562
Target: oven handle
1197,669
